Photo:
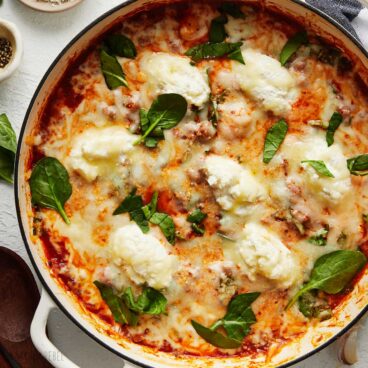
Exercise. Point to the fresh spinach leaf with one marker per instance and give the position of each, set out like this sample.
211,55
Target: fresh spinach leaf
131,203
292,46
358,165
334,123
156,135
215,338
320,167
166,112
237,56
6,165
112,71
333,272
8,139
274,137
232,9
8,147
140,219
121,45
313,307
217,31
118,308
50,185
236,322
151,207
150,301
197,216
320,237
166,224
212,50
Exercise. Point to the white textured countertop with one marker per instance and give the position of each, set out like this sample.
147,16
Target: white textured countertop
44,36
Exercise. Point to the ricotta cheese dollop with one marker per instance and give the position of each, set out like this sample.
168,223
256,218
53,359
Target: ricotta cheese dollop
98,151
266,81
168,73
144,256
234,184
264,254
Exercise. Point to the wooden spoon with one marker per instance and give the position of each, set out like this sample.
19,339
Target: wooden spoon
19,297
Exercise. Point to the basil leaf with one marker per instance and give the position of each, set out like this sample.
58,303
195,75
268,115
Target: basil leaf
217,29
150,301
121,45
143,120
232,9
274,137
167,111
212,50
150,208
50,186
319,238
240,316
8,148
215,338
333,272
334,123
6,165
131,203
112,71
166,224
119,310
320,167
292,46
197,216
8,139
150,142
358,165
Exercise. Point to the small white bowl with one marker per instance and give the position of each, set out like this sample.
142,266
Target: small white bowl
10,31
49,7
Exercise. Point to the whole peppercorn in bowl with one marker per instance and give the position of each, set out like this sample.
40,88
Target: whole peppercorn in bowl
11,48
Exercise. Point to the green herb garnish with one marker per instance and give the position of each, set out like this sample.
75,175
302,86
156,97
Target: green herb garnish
150,301
334,123
166,224
112,71
236,323
133,204
196,218
166,112
275,136
232,9
8,148
292,46
150,208
358,165
216,50
320,237
320,167
217,31
313,307
121,45
333,272
50,185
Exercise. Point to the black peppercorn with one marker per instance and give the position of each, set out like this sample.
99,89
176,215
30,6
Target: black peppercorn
6,52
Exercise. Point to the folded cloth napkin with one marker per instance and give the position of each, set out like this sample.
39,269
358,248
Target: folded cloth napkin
349,13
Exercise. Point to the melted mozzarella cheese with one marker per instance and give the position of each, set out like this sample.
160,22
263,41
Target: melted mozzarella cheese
146,259
238,29
96,151
313,146
265,80
234,184
168,73
264,254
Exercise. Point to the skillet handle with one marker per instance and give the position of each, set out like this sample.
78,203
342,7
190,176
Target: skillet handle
40,339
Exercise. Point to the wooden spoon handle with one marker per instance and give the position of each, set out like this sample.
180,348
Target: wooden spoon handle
9,358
